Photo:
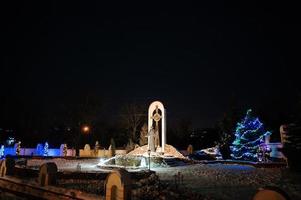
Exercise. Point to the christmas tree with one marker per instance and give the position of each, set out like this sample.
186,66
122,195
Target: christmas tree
249,136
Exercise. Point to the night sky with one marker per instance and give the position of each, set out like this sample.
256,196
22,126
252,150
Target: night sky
195,58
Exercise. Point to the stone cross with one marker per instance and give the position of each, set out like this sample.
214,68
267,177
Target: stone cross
157,117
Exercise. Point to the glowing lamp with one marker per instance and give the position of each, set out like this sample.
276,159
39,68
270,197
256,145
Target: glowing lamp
86,129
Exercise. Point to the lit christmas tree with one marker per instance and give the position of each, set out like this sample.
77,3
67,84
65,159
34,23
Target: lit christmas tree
2,151
249,137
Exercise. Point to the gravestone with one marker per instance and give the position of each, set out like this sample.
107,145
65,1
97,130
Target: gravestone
10,165
2,168
48,174
87,150
110,152
118,185
96,148
190,149
87,147
97,145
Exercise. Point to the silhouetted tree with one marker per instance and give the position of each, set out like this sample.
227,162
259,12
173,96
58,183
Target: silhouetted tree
73,114
226,128
180,132
132,117
143,135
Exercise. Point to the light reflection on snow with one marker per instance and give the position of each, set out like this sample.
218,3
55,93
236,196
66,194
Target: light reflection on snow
234,167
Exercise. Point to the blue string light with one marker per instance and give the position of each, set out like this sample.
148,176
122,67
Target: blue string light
249,135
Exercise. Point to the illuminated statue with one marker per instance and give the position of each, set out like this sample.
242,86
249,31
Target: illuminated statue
157,119
157,137
151,140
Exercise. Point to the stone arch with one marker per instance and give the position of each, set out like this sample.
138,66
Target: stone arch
48,174
2,168
118,185
10,165
151,109
87,147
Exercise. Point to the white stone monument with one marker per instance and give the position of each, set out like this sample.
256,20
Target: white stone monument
156,106
151,140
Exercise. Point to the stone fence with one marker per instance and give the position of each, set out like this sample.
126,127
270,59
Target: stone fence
100,153
59,152
34,152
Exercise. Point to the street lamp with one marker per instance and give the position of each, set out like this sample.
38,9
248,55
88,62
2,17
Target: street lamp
149,153
86,129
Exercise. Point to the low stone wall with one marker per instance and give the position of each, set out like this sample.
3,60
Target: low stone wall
58,152
99,153
33,152
34,191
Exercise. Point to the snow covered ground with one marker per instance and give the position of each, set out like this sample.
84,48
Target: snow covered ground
219,181
231,181
68,164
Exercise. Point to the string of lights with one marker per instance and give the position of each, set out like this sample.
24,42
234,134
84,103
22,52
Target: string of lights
249,136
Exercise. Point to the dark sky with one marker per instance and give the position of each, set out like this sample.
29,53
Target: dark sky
192,57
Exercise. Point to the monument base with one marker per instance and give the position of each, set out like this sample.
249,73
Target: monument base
169,151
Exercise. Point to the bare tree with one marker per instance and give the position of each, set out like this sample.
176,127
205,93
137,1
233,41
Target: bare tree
133,115
143,135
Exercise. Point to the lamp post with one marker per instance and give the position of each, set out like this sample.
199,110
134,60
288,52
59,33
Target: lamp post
86,131
149,153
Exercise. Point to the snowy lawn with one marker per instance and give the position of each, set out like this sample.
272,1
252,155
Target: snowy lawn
219,181
231,181
67,164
